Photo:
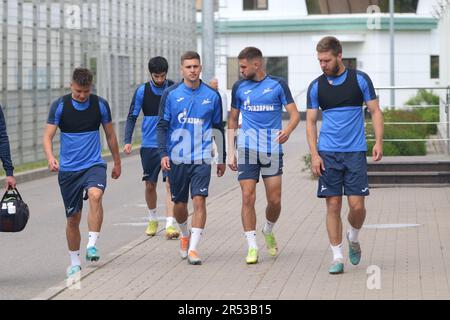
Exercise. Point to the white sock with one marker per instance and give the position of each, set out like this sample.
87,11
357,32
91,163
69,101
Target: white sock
251,239
196,235
152,216
75,258
170,221
353,234
93,236
337,252
184,229
268,227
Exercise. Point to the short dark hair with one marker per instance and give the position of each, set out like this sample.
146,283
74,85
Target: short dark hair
250,53
82,77
190,55
158,65
330,44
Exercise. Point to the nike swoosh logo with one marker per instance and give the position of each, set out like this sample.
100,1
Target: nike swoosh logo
203,190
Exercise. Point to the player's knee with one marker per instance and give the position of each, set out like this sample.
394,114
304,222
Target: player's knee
95,195
357,208
150,186
248,198
73,222
334,205
274,202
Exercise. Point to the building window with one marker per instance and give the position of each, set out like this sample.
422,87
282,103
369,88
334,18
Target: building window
350,63
358,6
275,66
255,5
434,66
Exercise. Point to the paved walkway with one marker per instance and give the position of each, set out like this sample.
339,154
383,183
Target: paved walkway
407,236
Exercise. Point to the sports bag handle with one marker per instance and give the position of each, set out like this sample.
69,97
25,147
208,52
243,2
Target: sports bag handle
12,191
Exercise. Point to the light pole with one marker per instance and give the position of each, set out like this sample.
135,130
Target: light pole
392,35
208,42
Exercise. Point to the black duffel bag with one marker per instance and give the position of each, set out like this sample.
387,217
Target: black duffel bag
14,213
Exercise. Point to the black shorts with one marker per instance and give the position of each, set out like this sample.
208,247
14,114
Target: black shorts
151,165
183,177
252,164
345,173
73,183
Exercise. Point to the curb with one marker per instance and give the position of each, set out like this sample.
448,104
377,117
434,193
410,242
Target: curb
63,286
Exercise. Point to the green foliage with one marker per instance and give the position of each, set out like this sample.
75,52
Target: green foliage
428,113
423,98
307,162
307,167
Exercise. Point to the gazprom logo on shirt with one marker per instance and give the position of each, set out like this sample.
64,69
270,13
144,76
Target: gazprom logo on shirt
257,108
183,119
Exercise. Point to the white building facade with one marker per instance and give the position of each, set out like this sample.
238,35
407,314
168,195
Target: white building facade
444,72
287,33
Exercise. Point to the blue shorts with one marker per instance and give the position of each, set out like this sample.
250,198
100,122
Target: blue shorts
252,164
151,164
345,173
182,176
72,185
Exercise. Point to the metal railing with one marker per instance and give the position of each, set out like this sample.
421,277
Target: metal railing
401,94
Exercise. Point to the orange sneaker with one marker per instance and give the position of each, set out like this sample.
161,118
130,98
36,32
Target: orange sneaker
194,258
184,246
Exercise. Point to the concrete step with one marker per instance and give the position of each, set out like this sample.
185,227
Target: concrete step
409,178
409,166
409,185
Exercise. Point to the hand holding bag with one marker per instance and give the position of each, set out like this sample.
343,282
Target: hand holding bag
14,212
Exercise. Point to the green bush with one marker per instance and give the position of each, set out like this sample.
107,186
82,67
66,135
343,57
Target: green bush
430,114
423,98
424,114
401,148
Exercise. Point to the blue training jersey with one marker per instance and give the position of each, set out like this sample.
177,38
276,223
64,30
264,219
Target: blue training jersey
261,104
149,136
190,116
81,150
342,127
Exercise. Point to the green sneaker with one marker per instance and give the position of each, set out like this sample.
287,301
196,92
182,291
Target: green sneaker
152,228
337,267
252,256
271,244
354,252
72,271
92,254
172,233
